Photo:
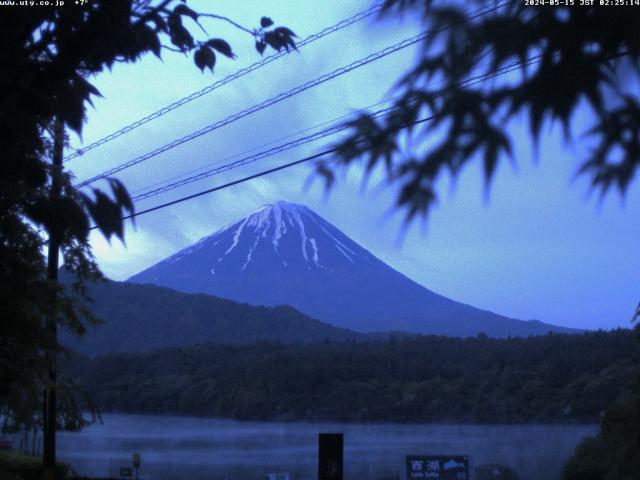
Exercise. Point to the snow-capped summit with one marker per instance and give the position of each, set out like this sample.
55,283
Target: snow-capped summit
292,234
285,253
280,236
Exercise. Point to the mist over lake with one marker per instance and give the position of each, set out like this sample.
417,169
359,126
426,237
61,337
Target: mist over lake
202,448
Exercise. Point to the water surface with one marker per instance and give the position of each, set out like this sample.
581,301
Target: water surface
184,448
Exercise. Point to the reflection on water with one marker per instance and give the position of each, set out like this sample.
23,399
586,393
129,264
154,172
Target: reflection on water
207,449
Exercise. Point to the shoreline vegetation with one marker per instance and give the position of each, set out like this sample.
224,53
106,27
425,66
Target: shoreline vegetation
551,379
318,421
19,466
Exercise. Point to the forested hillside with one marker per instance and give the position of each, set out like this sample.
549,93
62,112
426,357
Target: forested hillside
142,318
552,378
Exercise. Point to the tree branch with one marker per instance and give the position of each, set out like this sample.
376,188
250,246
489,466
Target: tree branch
173,49
228,20
153,11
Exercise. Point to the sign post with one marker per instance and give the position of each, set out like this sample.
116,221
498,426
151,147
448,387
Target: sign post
136,463
330,456
437,467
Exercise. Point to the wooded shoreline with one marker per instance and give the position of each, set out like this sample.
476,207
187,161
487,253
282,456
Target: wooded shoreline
561,379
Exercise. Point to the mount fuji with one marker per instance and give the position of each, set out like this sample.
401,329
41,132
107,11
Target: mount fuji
285,254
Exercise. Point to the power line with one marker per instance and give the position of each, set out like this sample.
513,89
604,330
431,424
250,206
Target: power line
243,161
333,130
480,78
255,108
240,73
334,120
246,179
259,147
231,184
282,96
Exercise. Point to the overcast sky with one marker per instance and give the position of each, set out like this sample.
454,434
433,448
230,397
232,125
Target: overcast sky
538,247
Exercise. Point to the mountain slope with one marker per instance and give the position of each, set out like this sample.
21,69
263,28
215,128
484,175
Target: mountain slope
140,318
287,254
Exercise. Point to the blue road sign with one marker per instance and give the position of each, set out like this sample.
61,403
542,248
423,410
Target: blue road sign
437,467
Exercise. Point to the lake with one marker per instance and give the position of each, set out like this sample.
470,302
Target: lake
181,448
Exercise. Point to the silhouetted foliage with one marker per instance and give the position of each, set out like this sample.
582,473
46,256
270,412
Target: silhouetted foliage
570,57
14,466
552,378
614,454
48,57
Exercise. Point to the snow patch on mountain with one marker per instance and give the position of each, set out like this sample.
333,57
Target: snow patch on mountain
293,235
236,236
274,224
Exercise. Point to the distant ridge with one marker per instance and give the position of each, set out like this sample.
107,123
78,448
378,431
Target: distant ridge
143,318
286,254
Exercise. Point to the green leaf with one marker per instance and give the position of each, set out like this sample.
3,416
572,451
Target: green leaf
186,11
161,25
148,39
204,57
285,32
120,193
221,46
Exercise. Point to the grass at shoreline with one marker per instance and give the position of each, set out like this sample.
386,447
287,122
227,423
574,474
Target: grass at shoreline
18,466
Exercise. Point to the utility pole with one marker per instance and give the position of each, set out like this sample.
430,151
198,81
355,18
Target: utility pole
51,351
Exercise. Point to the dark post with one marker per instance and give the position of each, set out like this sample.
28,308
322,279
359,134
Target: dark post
136,463
330,456
53,260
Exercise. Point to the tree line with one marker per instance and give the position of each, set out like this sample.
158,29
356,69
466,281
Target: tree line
552,378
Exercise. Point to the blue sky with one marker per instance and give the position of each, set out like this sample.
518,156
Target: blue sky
537,247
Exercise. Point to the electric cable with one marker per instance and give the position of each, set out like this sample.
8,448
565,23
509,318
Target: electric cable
285,166
234,76
333,130
280,97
